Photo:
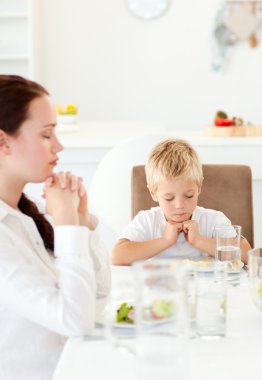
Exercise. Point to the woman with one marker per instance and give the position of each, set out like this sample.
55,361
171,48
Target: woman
49,277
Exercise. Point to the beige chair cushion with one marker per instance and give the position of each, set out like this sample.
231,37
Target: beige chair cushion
226,188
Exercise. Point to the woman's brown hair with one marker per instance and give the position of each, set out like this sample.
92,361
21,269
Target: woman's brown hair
16,94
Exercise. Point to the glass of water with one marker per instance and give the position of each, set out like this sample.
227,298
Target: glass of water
211,300
161,318
228,250
120,311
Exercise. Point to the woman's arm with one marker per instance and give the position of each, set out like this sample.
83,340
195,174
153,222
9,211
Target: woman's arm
60,299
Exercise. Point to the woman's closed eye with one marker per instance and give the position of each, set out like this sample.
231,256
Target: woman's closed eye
47,135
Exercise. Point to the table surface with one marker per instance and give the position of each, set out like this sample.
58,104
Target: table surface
238,356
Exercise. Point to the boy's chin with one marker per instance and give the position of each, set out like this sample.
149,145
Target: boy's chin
179,219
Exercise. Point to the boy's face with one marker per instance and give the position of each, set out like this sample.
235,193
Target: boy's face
177,198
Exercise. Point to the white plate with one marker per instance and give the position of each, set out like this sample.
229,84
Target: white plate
124,325
206,266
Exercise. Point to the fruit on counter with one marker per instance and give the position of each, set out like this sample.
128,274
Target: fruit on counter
238,121
222,120
59,110
221,115
70,109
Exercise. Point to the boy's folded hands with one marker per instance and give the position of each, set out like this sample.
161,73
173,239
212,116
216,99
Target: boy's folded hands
172,231
189,228
191,231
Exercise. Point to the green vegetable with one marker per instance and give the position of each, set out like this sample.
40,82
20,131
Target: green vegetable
162,308
221,115
124,313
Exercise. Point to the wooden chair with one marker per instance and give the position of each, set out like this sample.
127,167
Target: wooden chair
226,188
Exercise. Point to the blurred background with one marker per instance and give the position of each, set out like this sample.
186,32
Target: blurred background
116,66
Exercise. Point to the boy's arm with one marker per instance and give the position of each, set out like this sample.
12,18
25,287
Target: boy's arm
125,252
208,245
245,247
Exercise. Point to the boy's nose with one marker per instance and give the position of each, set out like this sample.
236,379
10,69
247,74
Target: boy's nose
179,203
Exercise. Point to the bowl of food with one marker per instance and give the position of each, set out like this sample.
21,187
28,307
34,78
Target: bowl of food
255,276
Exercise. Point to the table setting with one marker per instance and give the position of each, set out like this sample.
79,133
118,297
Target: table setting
166,319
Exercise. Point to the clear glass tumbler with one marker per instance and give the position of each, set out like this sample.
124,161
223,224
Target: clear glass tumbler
161,317
211,300
255,276
228,250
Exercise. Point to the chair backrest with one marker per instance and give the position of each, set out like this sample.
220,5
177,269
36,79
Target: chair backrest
226,188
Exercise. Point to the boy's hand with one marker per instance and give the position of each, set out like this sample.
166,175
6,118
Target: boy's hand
191,230
171,232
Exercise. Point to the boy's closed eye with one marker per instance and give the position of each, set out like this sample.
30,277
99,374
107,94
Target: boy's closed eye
171,199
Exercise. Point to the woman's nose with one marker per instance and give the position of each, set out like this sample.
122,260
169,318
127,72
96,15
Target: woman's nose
57,146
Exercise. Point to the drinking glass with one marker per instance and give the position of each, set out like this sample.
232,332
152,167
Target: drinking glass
228,250
211,300
119,325
255,276
161,317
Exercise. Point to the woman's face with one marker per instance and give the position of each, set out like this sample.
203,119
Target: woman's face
34,150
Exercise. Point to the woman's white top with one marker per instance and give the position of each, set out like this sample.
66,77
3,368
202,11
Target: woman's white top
150,225
44,299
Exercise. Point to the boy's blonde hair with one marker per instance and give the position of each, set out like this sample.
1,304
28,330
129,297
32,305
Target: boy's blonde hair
172,159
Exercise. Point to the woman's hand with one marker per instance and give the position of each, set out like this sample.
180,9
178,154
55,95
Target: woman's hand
68,181
62,198
84,216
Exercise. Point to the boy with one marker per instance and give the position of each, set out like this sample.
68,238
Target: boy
178,227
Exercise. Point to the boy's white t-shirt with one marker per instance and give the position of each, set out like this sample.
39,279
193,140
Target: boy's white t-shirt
150,225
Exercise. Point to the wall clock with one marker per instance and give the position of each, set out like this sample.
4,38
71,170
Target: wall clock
147,9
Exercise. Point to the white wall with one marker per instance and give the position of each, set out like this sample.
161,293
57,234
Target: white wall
118,67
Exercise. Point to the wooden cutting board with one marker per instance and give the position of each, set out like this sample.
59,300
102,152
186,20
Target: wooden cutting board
245,130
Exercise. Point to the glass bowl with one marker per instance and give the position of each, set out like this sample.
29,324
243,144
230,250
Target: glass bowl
255,276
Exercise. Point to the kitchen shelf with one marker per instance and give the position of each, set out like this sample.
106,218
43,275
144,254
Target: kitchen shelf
7,15
16,37
16,57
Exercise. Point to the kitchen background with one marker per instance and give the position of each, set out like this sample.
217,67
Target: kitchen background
129,76
115,66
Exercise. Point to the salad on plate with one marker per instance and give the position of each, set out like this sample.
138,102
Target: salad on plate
160,310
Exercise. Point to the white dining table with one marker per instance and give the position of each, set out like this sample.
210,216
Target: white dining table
235,357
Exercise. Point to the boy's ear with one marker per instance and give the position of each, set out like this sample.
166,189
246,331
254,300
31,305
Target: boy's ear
4,147
199,189
153,194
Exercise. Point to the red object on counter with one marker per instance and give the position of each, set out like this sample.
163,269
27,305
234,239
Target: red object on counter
223,122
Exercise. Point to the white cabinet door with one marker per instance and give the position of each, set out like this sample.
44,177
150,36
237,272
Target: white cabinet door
15,37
